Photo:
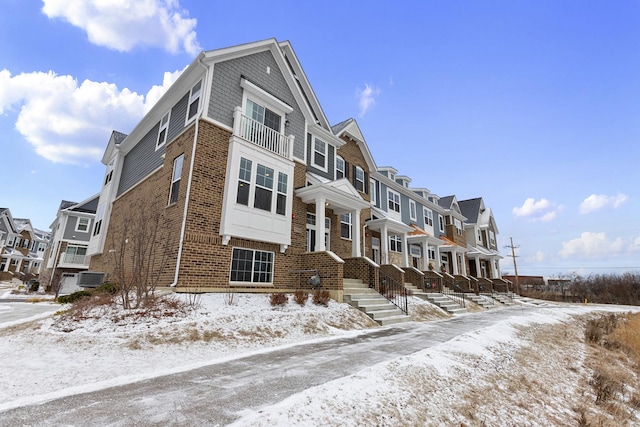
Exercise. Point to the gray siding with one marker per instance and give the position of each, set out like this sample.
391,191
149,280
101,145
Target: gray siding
144,158
141,160
70,232
226,92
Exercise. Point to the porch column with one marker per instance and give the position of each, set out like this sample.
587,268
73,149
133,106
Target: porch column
477,261
463,263
384,245
355,234
405,250
425,255
454,261
320,243
6,264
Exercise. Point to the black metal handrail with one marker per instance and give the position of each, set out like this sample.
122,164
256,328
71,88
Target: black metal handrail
457,296
392,290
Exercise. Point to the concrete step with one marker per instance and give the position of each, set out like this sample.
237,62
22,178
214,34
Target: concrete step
368,300
394,319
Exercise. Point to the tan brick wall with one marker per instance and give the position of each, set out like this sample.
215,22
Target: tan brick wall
359,268
414,277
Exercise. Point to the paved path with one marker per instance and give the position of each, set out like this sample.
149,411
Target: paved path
217,394
12,311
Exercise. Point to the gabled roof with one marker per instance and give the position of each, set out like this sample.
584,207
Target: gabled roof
23,224
350,129
89,205
471,209
5,214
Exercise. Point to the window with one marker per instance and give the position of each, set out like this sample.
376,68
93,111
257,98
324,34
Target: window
441,223
458,225
252,266
175,179
359,179
109,175
432,252
339,167
320,154
244,182
194,100
82,224
492,238
345,226
75,255
281,202
16,244
412,210
264,188
479,236
394,201
99,215
162,132
428,217
373,191
263,115
11,241
395,243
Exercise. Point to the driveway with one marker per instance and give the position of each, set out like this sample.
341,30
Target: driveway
217,394
14,311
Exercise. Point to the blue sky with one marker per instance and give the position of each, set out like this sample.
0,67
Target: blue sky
533,105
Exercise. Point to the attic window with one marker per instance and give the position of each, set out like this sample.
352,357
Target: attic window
194,101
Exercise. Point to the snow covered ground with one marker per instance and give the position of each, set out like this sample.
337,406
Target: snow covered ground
527,370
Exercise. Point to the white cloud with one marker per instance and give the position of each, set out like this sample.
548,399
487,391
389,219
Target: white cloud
537,257
68,122
366,98
541,210
599,201
123,25
592,245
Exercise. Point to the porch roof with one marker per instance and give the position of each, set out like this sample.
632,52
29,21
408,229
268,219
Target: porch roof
338,195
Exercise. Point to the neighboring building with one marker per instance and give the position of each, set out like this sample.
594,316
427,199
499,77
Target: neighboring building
482,244
70,235
21,247
240,181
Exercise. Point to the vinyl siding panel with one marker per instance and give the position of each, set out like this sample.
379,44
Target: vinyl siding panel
141,161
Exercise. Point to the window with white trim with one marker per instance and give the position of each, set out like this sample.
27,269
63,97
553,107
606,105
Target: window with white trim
109,175
395,243
281,202
320,154
339,167
82,225
432,252
194,101
492,238
345,226
412,210
428,217
441,223
263,115
479,236
98,224
251,266
162,131
373,191
458,225
244,181
359,179
11,241
175,179
264,188
394,201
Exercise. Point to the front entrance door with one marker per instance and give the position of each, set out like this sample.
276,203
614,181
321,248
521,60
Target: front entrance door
311,232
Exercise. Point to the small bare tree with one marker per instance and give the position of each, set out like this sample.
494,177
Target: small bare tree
140,248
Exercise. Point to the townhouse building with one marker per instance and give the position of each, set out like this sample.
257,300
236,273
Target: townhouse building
70,234
22,247
240,182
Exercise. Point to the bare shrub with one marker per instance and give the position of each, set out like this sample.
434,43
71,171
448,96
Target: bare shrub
627,335
321,297
605,385
301,297
230,296
278,299
140,248
194,299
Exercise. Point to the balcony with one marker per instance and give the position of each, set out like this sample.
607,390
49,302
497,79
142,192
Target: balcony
74,260
261,135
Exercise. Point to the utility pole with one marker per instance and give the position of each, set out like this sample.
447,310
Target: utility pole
515,266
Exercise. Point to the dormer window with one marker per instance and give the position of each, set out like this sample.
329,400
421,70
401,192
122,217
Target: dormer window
162,132
194,101
394,201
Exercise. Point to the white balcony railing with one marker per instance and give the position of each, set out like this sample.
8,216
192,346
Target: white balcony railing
261,135
75,259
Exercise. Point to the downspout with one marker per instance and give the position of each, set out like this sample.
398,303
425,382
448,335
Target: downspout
186,202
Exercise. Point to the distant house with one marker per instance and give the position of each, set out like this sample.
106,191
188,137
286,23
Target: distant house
21,247
70,235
